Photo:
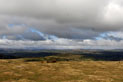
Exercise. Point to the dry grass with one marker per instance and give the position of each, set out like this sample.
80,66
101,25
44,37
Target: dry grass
63,71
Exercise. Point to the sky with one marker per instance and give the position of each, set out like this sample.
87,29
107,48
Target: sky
61,24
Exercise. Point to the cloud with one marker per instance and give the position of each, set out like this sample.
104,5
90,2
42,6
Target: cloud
62,43
67,19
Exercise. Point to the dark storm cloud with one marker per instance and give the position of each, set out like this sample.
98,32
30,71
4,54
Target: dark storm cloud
63,15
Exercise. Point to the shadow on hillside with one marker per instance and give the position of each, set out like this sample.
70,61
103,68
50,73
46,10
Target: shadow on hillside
25,55
104,56
93,55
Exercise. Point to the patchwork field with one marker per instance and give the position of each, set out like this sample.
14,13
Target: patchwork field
23,70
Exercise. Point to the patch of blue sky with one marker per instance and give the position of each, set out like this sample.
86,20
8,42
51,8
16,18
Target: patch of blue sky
4,37
12,25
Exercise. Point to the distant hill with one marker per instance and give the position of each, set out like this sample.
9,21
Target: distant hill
7,56
96,55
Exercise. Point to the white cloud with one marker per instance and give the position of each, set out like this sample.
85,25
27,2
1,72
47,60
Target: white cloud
62,44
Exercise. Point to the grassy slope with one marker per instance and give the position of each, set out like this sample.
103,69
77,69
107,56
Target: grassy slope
18,70
86,66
